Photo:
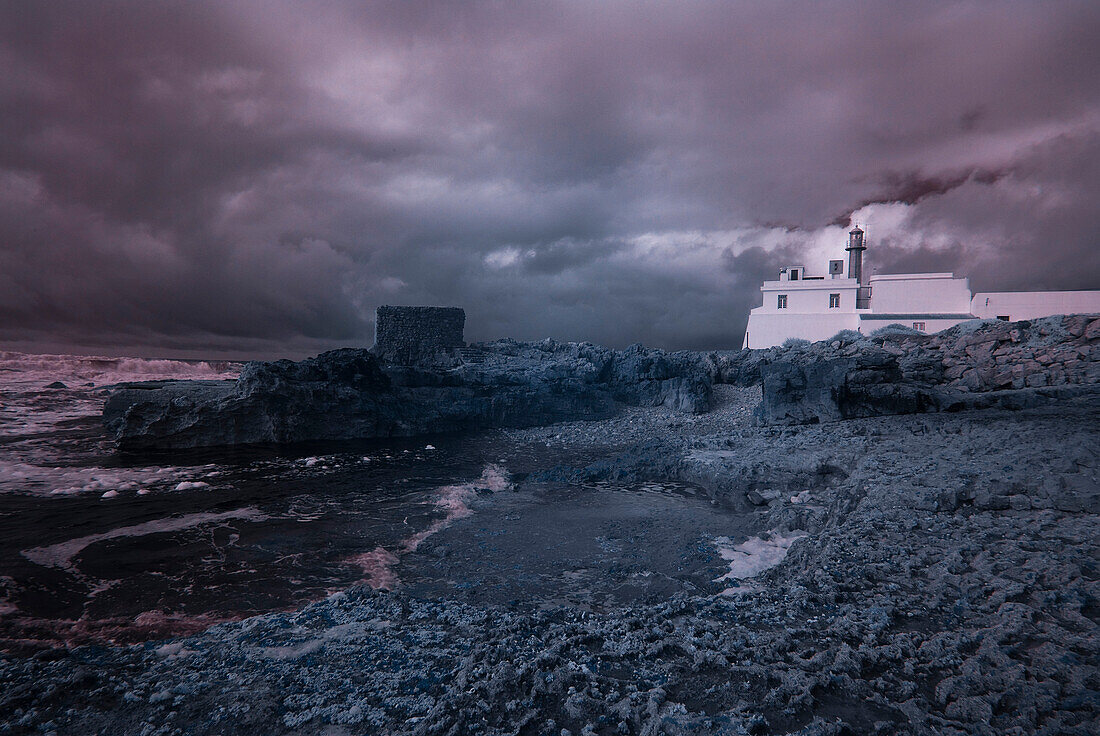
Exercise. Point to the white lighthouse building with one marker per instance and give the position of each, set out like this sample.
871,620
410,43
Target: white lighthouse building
817,307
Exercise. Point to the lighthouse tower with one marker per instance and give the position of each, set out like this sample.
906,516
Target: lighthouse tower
855,249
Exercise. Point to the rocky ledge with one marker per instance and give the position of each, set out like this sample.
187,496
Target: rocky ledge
974,365
352,394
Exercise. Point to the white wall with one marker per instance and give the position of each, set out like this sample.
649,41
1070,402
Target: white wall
1018,305
807,314
768,329
805,297
867,326
939,293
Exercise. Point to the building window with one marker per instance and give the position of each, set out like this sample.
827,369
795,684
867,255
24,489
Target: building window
782,302
1004,317
834,301
794,274
918,326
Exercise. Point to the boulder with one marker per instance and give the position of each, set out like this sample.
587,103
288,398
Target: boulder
868,384
970,366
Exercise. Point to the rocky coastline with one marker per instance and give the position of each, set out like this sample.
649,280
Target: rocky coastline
353,394
974,365
356,394
937,499
942,579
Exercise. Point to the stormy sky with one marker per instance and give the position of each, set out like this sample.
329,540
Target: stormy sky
237,178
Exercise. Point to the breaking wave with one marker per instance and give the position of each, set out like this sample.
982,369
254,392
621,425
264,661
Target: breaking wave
49,419
33,370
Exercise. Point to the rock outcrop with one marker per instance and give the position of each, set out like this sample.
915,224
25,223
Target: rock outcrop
352,394
355,394
975,365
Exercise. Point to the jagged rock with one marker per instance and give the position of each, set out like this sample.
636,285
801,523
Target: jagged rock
868,384
349,394
352,394
763,496
974,365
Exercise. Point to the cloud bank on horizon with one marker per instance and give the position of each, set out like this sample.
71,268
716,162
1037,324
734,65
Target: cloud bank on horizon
244,177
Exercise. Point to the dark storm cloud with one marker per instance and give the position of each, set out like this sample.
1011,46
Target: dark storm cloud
257,177
911,187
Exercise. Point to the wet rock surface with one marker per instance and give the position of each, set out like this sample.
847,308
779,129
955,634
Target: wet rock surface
352,394
593,546
942,579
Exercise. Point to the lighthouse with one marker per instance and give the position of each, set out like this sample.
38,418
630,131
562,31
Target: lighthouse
855,249
801,305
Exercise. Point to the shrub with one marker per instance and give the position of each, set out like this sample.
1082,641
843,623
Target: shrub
795,342
846,337
895,329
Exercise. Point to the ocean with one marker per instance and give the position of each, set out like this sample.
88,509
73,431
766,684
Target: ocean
102,547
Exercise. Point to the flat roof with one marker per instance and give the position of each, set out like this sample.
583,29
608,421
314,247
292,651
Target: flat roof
910,276
916,315
820,283
1035,293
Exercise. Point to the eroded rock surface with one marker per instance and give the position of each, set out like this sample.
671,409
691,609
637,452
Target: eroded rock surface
944,581
352,394
974,365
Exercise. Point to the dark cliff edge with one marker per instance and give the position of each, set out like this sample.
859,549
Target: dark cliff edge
353,394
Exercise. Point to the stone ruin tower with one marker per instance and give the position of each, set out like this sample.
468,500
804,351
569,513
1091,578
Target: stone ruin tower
414,335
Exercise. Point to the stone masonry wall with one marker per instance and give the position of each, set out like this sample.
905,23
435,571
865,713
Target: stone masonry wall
410,335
